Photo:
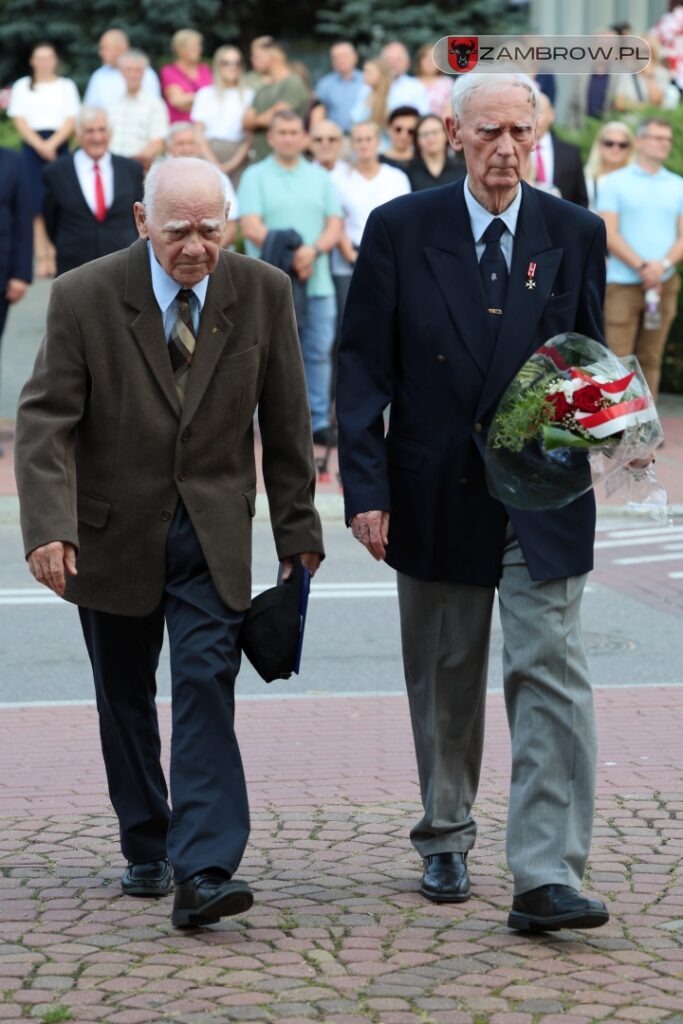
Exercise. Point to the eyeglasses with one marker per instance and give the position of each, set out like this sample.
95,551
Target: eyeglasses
399,129
611,143
325,138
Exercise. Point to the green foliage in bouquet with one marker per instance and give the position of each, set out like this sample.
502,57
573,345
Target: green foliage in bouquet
519,423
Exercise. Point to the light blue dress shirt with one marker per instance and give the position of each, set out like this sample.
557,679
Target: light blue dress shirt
480,218
166,290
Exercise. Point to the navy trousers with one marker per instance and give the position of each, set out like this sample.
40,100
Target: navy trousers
208,823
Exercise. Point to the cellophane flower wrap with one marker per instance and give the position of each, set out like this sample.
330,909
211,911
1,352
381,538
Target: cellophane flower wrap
575,415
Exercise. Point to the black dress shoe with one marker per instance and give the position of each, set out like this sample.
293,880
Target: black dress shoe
207,897
153,878
551,907
326,436
445,878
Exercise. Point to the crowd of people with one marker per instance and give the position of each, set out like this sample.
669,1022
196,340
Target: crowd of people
305,165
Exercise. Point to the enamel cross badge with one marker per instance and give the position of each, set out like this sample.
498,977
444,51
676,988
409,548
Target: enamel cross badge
530,274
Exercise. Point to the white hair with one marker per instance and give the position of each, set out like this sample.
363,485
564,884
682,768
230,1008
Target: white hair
87,114
133,57
181,166
466,85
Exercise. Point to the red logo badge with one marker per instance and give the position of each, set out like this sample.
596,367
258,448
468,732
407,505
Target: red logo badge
463,53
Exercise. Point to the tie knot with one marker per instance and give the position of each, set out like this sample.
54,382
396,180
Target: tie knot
184,295
494,231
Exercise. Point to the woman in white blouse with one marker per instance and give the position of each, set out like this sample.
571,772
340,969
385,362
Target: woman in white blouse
218,110
44,107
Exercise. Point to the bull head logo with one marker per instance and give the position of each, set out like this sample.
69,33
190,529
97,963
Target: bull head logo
463,53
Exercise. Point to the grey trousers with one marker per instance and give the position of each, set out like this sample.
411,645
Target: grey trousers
445,630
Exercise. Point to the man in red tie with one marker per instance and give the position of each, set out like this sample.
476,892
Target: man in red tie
89,196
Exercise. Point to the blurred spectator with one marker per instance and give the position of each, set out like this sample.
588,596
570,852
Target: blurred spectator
438,86
361,186
642,206
182,80
256,77
83,231
184,139
138,121
218,111
546,85
401,128
107,84
557,162
433,163
43,107
652,87
612,149
16,232
405,91
316,108
284,197
339,88
326,140
281,90
371,104
600,86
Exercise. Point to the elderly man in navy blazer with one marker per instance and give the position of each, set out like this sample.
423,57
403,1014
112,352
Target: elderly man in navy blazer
16,227
440,317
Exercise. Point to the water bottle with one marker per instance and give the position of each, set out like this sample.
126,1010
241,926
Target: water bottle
652,319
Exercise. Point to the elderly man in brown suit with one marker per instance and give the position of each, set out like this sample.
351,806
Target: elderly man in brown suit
136,475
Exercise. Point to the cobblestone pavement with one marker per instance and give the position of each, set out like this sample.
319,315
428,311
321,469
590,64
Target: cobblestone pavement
338,933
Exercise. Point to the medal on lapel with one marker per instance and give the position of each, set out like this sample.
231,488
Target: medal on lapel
530,274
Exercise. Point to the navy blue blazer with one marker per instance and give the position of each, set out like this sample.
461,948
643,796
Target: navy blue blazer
16,220
414,319
72,226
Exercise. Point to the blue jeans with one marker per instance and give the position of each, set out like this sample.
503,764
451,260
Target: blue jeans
316,334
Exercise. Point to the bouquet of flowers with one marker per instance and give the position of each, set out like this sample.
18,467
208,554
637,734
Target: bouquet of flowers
574,415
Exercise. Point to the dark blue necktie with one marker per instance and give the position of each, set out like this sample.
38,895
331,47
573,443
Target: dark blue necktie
494,272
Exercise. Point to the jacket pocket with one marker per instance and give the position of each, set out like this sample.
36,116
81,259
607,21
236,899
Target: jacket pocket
405,454
91,510
250,498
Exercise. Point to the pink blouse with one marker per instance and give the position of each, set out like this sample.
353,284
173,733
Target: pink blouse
171,74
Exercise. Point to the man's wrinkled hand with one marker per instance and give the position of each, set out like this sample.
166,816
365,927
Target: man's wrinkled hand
309,559
51,563
372,530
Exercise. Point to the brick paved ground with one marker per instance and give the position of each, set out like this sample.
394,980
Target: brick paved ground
338,933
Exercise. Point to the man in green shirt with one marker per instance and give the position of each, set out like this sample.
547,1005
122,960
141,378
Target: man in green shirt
286,193
281,90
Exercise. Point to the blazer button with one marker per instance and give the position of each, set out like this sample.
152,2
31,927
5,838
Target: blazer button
441,358
185,436
478,428
181,475
165,516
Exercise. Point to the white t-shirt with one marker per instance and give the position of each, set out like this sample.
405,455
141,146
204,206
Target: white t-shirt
359,195
46,107
222,114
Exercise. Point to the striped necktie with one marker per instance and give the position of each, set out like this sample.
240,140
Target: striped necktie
182,342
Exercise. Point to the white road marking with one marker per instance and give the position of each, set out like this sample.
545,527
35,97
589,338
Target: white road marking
648,558
672,535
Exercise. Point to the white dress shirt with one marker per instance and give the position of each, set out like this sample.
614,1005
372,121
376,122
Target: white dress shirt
406,91
107,85
166,290
85,172
545,146
480,218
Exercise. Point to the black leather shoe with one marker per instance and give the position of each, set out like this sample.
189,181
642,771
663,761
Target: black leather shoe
153,878
445,878
551,907
207,897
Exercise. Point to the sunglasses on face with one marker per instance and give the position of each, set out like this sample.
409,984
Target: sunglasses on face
400,129
611,143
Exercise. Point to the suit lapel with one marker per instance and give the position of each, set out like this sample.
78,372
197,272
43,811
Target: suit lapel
454,266
74,185
215,331
524,306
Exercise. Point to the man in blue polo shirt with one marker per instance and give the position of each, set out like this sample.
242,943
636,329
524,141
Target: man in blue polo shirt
642,207
285,192
339,89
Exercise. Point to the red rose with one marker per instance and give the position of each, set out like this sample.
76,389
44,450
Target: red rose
562,406
588,399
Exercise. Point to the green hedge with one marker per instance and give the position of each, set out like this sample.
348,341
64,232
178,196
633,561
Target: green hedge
672,367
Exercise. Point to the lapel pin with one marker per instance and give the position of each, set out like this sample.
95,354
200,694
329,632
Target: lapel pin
214,330
530,283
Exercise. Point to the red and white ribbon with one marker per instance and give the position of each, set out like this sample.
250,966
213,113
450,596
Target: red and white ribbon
618,417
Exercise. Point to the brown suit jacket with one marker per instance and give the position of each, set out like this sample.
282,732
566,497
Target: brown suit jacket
104,452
